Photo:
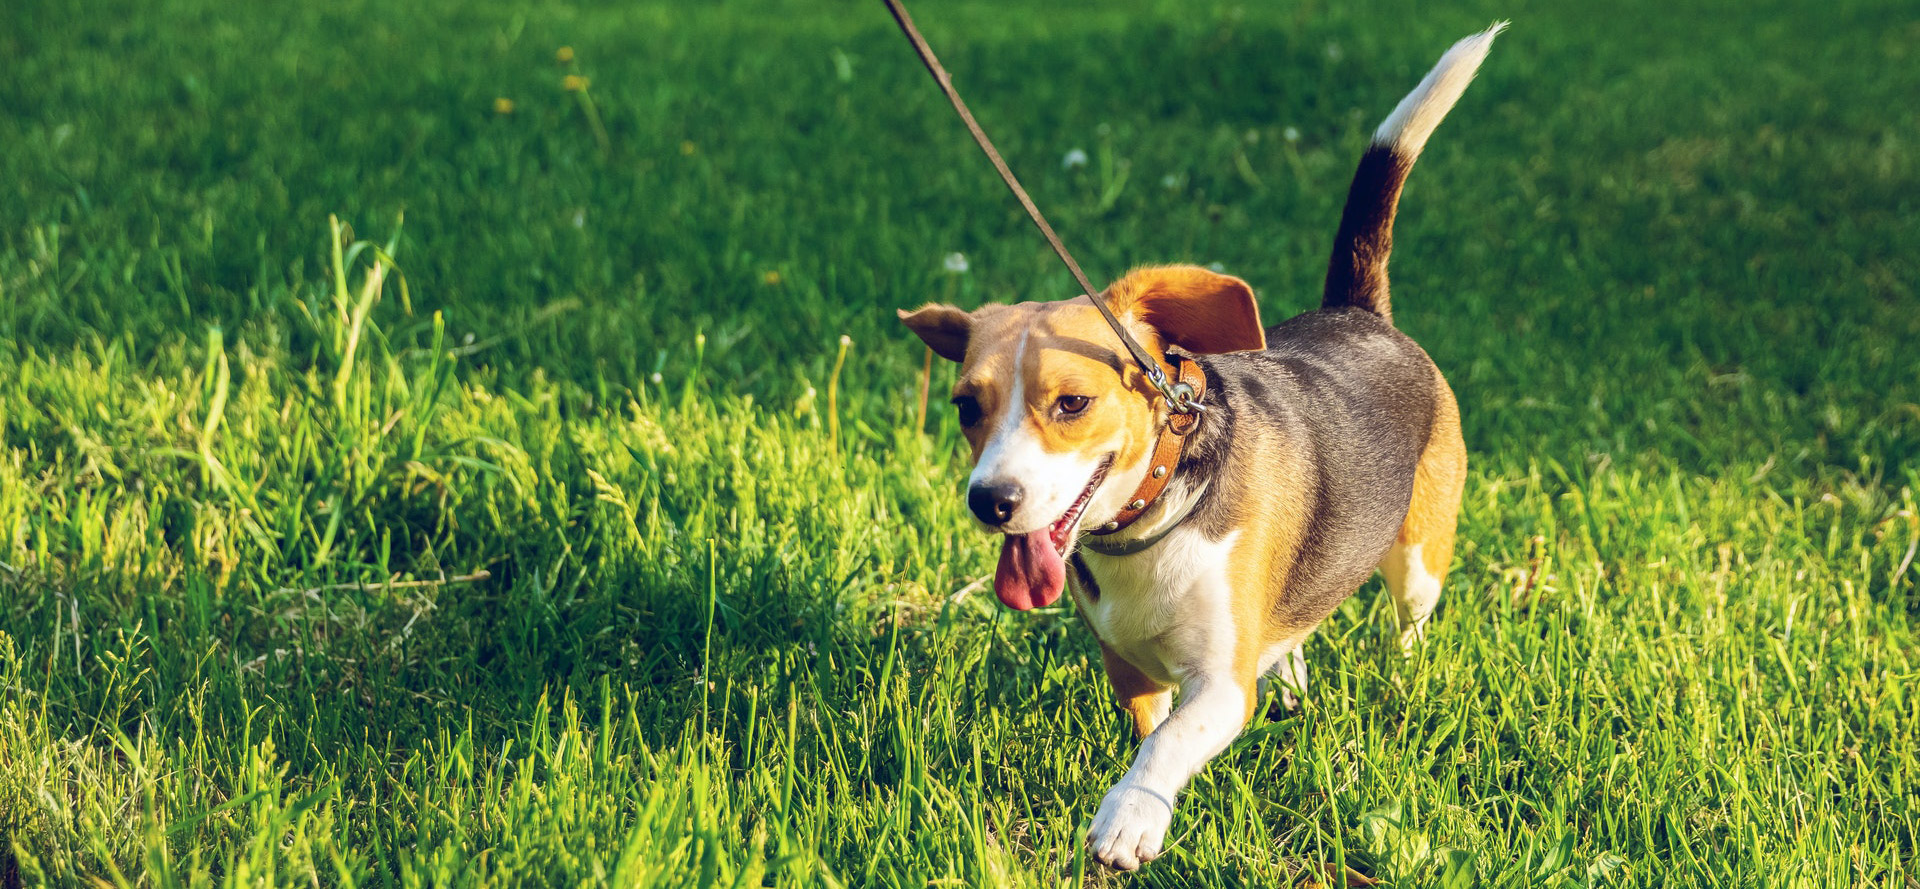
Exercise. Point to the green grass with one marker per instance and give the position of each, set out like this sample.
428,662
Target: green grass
575,561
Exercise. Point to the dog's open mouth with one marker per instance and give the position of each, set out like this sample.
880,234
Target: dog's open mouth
1032,572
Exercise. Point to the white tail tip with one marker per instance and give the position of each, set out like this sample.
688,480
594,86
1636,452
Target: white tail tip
1415,118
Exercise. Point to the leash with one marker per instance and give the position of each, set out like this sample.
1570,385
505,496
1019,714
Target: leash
1181,398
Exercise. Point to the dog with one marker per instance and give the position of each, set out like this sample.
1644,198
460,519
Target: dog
1204,547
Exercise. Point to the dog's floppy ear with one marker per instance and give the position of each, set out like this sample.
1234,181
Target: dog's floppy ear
944,328
1201,311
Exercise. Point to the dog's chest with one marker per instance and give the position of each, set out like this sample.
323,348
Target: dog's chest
1168,610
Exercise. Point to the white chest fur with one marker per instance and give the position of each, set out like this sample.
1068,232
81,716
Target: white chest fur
1167,610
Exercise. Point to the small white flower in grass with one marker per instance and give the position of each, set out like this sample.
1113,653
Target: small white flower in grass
1075,158
1216,267
657,379
1292,134
467,340
955,263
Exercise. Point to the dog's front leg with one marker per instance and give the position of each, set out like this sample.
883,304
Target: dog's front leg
1132,822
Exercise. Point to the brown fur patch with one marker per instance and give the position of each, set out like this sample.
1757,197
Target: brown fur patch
1270,516
1070,350
1434,513
1199,310
1139,693
1061,348
944,329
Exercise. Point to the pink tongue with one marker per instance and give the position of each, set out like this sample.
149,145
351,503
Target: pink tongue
1031,574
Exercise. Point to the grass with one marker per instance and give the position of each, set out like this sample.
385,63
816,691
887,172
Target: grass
551,536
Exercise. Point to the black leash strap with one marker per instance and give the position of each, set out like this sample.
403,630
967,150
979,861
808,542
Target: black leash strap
1177,400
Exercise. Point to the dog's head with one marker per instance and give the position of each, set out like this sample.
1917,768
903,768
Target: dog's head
1061,420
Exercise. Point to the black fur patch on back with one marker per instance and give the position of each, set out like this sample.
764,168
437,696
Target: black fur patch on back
1351,396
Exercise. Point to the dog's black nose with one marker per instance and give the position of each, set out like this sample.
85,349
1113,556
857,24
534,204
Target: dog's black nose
994,504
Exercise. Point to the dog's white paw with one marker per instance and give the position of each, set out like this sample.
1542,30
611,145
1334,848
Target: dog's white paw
1130,826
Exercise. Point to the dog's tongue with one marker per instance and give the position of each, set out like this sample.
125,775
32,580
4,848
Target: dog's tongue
1031,573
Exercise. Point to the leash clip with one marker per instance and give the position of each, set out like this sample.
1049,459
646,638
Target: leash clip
1179,396
1183,401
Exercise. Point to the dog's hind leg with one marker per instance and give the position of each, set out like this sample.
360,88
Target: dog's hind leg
1416,565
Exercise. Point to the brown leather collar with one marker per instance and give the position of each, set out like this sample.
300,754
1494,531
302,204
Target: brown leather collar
1166,448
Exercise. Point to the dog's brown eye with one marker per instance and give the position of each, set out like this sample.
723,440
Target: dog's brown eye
1072,404
969,410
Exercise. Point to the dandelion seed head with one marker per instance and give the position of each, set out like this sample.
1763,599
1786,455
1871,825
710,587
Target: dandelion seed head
1074,158
955,263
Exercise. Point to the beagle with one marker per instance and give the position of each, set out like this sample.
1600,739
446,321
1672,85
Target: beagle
1203,548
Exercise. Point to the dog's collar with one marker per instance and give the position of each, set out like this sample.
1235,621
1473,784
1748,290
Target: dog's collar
1166,458
1141,544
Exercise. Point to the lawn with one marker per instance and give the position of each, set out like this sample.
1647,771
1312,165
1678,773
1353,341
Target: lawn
417,472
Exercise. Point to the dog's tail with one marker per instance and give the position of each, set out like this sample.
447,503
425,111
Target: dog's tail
1357,272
